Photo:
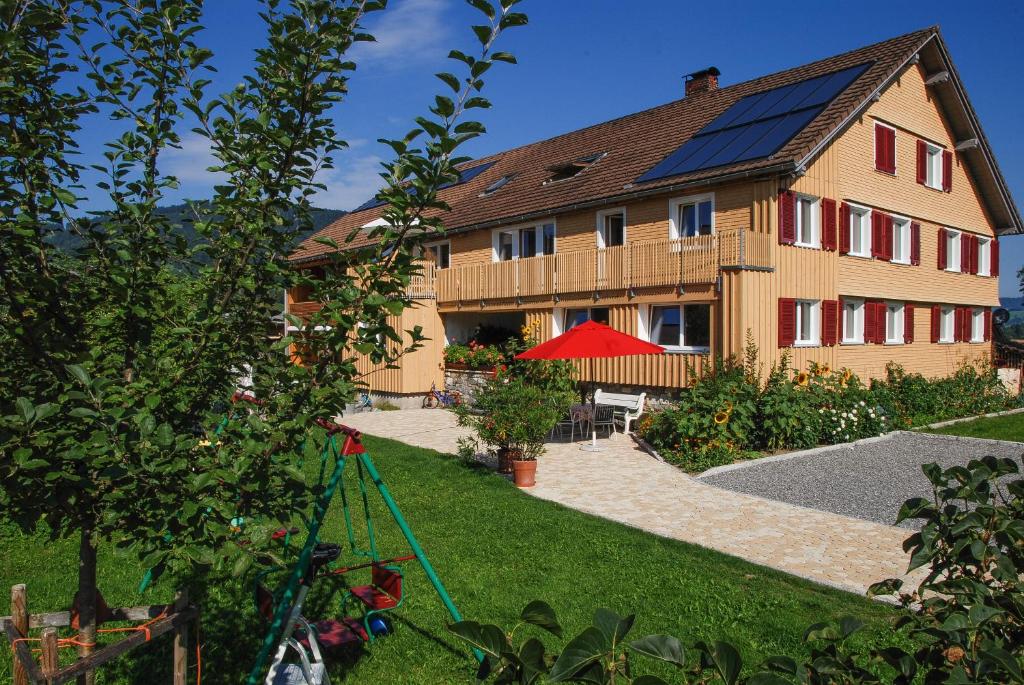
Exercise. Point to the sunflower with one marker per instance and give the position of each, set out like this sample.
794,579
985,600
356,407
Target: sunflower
824,370
803,378
721,417
728,407
847,376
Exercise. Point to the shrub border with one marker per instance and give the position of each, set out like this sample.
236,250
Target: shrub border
952,422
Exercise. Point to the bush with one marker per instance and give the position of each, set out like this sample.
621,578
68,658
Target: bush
474,355
917,401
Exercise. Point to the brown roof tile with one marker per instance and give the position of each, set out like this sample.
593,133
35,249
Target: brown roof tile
635,143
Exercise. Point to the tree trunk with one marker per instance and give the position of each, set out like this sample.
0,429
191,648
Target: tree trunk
86,600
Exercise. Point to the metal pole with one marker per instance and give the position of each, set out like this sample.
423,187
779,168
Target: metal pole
413,544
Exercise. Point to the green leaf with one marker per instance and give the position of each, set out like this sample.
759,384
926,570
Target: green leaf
766,678
1008,662
152,401
484,6
663,647
613,626
531,656
450,79
79,373
727,661
242,565
584,649
540,614
82,412
848,625
164,435
26,411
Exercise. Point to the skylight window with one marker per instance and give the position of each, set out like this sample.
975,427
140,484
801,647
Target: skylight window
497,185
567,170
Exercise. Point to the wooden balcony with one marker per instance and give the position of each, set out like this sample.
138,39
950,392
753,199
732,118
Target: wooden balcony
635,265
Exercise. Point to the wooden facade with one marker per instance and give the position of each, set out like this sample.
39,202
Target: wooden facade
740,270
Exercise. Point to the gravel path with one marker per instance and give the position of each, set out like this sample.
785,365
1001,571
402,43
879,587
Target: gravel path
866,481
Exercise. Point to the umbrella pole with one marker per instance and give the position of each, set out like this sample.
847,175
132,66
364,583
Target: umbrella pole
592,447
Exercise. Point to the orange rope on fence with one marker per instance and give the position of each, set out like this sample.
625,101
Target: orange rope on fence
72,642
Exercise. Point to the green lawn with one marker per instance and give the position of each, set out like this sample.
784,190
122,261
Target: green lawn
996,428
495,548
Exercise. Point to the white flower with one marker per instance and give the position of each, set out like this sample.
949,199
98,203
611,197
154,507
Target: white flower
862,403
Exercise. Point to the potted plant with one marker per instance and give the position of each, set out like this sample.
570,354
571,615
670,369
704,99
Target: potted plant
513,417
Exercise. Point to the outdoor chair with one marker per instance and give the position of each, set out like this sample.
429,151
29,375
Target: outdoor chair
604,417
566,424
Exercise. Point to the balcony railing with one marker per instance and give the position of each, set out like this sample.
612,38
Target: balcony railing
635,265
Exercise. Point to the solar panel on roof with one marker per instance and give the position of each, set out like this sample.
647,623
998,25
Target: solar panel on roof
465,176
757,125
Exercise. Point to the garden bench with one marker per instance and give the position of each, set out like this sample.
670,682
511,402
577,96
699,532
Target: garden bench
628,408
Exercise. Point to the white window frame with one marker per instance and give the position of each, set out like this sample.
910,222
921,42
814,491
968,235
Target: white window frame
559,314
858,321
600,225
947,324
933,166
439,243
644,327
984,256
815,323
894,333
815,237
874,135
862,216
538,238
977,325
901,235
954,242
673,212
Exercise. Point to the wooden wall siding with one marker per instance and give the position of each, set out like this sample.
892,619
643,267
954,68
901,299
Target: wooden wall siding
665,370
416,370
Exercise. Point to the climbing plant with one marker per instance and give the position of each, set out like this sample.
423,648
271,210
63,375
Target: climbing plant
120,356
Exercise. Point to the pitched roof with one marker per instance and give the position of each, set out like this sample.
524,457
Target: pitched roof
634,143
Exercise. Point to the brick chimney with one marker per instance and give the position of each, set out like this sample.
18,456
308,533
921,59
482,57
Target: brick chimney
702,81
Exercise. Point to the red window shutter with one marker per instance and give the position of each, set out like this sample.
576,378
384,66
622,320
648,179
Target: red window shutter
942,249
988,325
993,267
885,149
915,243
787,217
787,321
947,170
908,323
922,162
965,253
877,234
879,322
869,321
829,322
828,224
936,319
888,224
844,228
958,324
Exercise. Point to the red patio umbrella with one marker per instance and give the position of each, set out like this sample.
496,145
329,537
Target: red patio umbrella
591,340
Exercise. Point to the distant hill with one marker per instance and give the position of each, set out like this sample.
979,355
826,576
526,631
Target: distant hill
1014,304
181,217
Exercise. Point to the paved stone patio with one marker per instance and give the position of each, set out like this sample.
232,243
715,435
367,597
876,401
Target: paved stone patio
625,484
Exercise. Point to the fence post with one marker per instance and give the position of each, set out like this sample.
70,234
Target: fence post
181,641
19,617
50,660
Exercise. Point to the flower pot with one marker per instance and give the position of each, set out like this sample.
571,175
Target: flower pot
525,473
506,456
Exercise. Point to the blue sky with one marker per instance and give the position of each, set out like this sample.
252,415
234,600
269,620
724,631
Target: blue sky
587,61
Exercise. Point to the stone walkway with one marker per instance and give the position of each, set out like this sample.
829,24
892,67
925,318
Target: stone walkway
625,484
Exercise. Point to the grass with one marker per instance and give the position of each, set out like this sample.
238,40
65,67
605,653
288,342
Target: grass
995,428
495,548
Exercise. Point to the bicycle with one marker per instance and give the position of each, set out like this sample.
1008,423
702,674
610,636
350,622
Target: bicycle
365,403
441,398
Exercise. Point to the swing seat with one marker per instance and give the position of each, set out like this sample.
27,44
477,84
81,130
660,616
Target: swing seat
332,634
385,590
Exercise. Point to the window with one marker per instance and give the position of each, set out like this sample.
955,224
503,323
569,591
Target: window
440,253
497,185
977,325
691,216
567,170
611,228
885,148
933,166
952,250
522,243
807,322
984,257
808,216
677,327
574,317
894,321
853,322
900,240
860,231
947,316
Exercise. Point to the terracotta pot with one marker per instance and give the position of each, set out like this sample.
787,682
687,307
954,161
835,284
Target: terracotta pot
525,473
505,458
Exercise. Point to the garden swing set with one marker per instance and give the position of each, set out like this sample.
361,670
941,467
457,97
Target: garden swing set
289,631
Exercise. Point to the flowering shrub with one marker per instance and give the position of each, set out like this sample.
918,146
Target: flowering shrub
728,414
474,355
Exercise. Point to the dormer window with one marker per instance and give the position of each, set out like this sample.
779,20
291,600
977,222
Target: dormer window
567,170
497,185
